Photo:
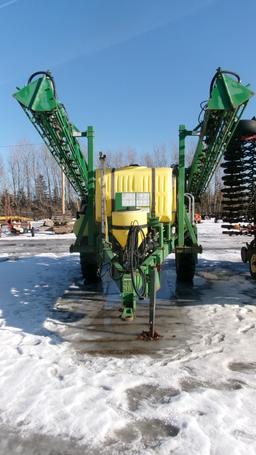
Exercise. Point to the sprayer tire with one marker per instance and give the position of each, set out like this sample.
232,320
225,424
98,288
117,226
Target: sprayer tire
244,254
252,264
89,269
246,128
185,267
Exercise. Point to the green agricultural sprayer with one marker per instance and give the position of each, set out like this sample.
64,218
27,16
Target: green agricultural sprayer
132,218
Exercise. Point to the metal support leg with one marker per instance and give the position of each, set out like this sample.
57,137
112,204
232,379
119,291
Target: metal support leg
181,185
152,302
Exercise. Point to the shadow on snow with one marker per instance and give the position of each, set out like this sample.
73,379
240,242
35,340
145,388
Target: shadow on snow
31,287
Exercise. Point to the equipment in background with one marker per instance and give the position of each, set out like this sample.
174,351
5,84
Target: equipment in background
132,218
17,225
239,192
198,218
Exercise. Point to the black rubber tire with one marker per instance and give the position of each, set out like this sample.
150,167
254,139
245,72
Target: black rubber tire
244,254
246,128
185,267
89,269
252,264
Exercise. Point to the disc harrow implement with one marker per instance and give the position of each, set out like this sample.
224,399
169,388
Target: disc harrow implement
239,192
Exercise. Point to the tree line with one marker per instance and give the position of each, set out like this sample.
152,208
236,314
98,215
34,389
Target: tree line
31,183
31,180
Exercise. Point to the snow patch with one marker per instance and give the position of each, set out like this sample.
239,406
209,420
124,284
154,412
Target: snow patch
198,399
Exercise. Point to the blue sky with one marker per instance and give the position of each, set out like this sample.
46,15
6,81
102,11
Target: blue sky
134,69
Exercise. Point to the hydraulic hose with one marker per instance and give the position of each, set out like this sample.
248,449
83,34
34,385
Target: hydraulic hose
43,73
134,256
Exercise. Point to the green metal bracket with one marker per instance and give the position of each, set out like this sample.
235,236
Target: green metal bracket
190,229
91,189
128,314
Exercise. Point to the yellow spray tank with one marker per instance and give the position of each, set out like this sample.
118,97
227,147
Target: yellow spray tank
122,220
159,182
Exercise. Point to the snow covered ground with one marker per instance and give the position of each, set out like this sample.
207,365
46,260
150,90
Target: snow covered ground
193,392
39,235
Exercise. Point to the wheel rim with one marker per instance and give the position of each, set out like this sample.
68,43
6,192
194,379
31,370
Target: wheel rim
253,263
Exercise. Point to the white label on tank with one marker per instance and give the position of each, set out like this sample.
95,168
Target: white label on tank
128,200
142,200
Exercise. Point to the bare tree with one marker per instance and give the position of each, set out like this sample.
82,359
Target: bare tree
148,160
162,158
131,156
159,157
2,175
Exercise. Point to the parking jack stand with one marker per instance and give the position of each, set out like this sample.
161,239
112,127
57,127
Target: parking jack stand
152,302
